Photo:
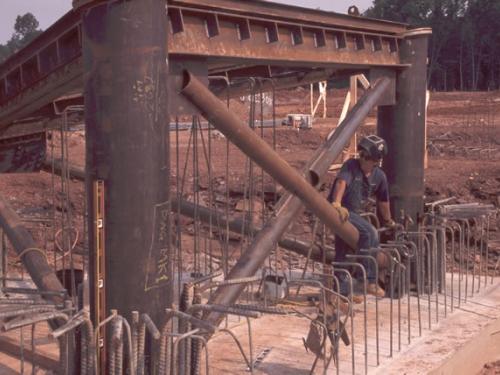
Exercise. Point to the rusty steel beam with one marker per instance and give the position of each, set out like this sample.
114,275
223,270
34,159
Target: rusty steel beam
43,93
32,257
20,129
272,10
296,79
290,206
218,87
56,167
263,155
206,215
241,40
224,33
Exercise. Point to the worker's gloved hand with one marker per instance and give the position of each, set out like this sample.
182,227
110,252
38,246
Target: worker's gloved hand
391,224
343,212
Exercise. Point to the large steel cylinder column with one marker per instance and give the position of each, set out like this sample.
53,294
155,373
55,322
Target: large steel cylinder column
127,138
403,127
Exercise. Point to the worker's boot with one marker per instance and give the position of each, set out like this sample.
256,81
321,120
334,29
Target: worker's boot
375,290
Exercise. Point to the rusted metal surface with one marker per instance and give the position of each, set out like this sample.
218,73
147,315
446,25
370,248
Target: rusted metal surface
27,99
127,143
33,258
403,127
279,82
22,154
33,126
289,206
229,34
56,167
262,154
271,9
207,215
294,42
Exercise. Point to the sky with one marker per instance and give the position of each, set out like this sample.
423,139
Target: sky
48,11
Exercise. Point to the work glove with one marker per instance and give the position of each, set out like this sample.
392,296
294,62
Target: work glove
342,211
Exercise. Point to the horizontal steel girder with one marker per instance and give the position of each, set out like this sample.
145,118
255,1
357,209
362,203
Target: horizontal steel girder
224,33
221,222
230,37
269,9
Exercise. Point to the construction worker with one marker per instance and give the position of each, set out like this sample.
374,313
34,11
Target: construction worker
358,180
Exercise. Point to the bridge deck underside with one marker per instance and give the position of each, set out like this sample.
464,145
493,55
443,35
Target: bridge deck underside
228,37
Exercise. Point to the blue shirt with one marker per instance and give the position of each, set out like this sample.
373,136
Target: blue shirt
359,187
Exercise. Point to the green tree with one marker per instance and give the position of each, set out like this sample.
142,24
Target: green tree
482,43
26,25
26,29
4,52
464,50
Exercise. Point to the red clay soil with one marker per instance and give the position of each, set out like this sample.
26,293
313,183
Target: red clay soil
492,368
464,159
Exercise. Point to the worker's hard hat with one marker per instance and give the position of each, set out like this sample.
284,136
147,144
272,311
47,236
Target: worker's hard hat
374,146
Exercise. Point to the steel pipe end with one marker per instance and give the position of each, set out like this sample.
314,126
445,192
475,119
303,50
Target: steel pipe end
187,78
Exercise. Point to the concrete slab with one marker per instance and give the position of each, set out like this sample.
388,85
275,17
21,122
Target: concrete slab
14,360
444,335
435,341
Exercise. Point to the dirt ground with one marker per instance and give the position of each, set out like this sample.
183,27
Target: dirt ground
463,161
492,368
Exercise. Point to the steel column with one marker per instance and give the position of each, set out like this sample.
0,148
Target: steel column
290,206
403,127
127,147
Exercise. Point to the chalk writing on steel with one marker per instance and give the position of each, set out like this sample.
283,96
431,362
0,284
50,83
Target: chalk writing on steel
159,260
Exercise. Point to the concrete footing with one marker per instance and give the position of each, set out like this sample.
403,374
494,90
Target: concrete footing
458,342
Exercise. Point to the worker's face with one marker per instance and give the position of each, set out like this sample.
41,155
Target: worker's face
367,163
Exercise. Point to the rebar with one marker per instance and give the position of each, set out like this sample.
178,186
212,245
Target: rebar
196,344
116,349
371,258
186,300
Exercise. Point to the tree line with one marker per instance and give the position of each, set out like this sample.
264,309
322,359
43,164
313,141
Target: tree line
26,29
464,49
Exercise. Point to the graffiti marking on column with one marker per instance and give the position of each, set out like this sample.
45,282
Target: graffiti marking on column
159,261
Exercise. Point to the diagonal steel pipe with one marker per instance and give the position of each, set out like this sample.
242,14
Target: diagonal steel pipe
301,189
204,214
263,155
33,258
